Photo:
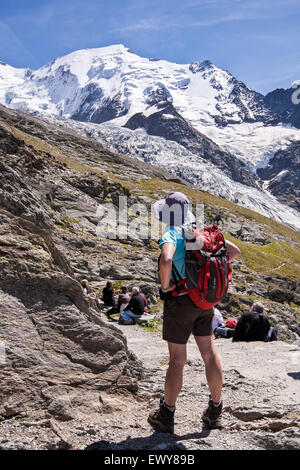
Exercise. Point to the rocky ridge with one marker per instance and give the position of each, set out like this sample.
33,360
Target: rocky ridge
283,175
286,104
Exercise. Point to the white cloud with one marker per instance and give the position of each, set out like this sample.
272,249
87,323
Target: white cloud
185,15
142,25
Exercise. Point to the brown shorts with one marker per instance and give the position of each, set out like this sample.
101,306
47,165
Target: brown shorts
182,317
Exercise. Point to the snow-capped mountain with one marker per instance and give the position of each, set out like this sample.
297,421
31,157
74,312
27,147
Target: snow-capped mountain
214,118
98,85
113,84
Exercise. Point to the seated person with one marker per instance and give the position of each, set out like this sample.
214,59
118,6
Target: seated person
108,295
217,319
145,301
252,325
122,299
85,287
134,309
226,330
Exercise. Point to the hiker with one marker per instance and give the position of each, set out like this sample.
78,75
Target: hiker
218,319
108,295
123,299
85,287
145,301
254,326
134,309
182,317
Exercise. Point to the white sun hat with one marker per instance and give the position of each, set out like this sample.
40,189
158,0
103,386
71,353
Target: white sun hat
174,210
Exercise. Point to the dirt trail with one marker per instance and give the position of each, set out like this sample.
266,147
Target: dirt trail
261,398
261,404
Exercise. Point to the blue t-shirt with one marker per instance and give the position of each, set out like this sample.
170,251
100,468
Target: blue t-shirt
176,236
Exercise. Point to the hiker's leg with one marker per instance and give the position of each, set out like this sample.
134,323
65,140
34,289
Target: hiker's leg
213,368
133,316
126,315
111,311
173,383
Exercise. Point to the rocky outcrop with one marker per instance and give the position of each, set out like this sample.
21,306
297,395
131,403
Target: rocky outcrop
59,354
100,189
282,102
96,108
283,175
55,346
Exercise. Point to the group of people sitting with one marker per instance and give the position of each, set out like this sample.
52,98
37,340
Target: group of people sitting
251,326
130,307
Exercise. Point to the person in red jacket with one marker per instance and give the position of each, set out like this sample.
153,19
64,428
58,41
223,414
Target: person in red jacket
145,300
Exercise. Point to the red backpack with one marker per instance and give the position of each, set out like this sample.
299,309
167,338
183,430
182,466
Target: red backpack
208,272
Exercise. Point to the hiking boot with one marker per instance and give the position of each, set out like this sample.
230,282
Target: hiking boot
212,415
130,321
126,322
163,418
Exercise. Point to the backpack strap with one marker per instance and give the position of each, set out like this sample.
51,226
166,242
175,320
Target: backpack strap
175,273
177,277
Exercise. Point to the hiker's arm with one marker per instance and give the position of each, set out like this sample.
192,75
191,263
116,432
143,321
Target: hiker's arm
165,266
232,250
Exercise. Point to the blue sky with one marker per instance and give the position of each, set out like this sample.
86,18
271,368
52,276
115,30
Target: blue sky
256,40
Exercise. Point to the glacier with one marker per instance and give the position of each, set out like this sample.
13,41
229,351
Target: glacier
178,160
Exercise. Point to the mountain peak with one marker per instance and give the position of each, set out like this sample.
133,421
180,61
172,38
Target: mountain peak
102,51
201,66
89,53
